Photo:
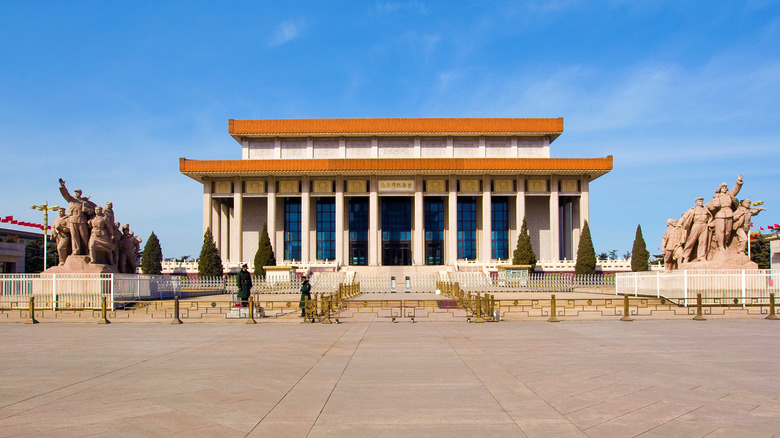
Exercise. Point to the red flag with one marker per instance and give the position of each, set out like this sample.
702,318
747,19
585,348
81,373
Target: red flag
777,226
762,228
14,222
9,218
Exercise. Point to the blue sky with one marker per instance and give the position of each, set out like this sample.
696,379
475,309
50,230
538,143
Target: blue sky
108,94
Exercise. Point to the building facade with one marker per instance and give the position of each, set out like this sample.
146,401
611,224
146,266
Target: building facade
401,192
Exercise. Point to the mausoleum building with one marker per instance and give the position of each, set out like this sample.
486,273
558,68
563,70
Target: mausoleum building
406,192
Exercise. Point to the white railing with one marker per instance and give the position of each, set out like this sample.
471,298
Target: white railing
388,283
723,285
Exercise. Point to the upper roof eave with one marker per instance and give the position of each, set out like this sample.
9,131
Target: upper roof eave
423,127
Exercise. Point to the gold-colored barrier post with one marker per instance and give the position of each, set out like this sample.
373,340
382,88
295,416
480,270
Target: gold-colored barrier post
176,319
327,307
478,308
698,316
103,319
251,318
553,311
31,311
626,316
772,314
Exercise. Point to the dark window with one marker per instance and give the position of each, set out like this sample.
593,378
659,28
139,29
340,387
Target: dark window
467,227
326,228
292,228
358,231
499,237
434,230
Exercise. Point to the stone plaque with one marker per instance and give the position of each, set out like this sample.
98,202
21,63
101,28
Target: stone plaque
435,185
537,185
223,187
396,186
323,186
503,185
356,186
569,185
288,186
469,185
255,186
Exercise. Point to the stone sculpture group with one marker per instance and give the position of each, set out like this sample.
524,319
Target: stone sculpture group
713,235
89,232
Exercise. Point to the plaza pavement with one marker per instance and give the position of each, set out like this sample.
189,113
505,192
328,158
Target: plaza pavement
370,377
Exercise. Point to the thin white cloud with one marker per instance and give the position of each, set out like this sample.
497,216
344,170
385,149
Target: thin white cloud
393,7
287,31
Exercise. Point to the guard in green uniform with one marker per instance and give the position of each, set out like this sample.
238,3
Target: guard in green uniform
305,295
244,285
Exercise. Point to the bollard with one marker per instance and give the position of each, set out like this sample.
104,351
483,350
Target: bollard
103,319
625,317
772,314
553,311
251,319
698,316
176,319
31,311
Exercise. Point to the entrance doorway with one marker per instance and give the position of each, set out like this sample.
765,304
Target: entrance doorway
396,231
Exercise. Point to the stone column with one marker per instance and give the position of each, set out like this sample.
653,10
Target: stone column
418,252
584,202
270,215
373,222
339,220
305,219
486,246
224,238
237,223
216,219
451,245
207,200
519,212
555,226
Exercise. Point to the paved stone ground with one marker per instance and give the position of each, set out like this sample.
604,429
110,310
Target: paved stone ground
650,378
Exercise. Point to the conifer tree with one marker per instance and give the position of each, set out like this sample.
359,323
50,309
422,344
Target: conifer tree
524,253
640,256
265,253
151,257
209,263
586,255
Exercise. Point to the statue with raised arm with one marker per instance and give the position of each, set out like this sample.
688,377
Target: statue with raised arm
60,231
742,218
722,208
78,210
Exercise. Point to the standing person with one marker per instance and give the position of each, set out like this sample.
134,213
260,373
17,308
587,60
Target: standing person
742,224
305,295
244,285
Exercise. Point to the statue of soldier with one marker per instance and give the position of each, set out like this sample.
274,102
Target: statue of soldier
60,231
128,258
671,244
696,222
101,242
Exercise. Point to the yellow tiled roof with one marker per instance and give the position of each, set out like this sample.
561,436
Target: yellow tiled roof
594,166
400,126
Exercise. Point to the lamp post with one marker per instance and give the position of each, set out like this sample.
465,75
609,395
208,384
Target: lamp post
45,209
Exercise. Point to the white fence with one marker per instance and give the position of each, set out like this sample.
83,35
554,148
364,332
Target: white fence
535,282
735,286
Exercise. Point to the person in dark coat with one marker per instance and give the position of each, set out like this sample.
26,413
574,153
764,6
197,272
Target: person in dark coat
305,295
244,285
